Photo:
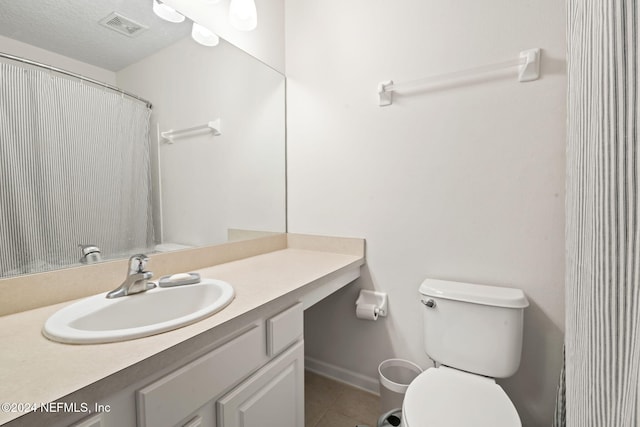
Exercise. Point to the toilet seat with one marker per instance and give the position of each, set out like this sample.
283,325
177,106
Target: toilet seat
447,397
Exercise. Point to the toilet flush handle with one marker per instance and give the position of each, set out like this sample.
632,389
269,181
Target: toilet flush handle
429,303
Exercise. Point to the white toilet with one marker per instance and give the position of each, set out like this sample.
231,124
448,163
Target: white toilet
474,333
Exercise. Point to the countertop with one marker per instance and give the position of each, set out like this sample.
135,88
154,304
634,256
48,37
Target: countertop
34,369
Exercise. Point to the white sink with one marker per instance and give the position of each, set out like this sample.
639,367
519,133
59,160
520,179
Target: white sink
98,319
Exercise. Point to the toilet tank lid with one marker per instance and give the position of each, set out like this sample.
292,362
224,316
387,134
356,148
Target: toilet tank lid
477,294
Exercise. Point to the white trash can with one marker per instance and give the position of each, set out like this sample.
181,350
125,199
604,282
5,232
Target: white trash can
395,377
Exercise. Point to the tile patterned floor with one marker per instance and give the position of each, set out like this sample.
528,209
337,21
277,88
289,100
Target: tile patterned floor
329,403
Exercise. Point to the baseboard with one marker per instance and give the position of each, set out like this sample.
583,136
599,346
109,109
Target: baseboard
343,375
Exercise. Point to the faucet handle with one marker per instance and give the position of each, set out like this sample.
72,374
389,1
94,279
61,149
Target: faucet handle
138,263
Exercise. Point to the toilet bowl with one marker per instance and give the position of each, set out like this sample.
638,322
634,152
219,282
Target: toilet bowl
474,333
448,397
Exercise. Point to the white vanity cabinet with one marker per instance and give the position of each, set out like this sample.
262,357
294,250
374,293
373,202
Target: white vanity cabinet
253,377
256,377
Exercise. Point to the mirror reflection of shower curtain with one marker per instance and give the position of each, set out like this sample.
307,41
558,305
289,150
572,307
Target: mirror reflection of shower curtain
74,169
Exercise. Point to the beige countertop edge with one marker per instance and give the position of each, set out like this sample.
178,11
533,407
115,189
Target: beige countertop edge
34,369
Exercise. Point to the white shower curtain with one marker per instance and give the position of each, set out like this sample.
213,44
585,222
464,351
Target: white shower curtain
74,169
603,221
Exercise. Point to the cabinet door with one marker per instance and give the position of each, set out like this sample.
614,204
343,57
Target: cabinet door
273,396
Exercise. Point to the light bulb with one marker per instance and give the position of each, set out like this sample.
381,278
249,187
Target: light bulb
166,12
203,36
243,15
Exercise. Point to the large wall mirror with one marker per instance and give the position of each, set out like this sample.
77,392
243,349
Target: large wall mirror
66,181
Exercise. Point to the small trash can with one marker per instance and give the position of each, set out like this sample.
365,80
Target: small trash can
395,377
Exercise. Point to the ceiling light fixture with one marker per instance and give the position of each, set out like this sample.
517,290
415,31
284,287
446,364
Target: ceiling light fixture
243,15
203,36
167,13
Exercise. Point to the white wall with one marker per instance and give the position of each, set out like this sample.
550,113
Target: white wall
212,183
464,183
266,42
24,50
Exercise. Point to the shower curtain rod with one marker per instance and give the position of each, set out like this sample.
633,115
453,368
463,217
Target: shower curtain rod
75,75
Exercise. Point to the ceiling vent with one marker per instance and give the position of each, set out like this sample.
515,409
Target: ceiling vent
123,25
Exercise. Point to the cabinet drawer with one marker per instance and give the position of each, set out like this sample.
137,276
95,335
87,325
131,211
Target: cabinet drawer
174,397
284,329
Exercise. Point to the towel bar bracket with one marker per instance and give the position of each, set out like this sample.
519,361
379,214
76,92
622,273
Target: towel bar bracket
530,69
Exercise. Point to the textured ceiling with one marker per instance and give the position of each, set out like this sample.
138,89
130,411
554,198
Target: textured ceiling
71,28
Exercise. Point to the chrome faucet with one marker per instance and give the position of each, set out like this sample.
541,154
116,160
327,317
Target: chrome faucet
137,278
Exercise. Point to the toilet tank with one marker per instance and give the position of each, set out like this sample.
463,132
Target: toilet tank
475,328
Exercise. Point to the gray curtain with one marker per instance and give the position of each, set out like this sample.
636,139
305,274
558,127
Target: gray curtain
74,169
602,230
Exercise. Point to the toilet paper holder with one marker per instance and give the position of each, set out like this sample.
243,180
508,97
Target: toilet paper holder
379,299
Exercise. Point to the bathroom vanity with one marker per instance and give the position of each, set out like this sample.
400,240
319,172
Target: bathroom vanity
243,366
